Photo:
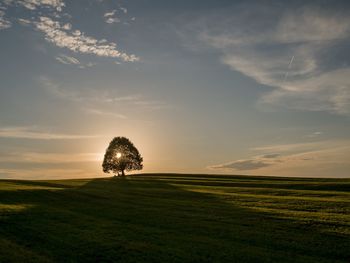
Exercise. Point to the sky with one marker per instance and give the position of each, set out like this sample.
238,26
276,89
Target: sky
217,87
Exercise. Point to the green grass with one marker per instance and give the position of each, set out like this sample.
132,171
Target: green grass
175,218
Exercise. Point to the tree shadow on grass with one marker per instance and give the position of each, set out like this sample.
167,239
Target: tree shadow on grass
138,219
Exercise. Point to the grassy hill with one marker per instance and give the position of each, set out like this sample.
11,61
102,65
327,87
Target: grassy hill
175,218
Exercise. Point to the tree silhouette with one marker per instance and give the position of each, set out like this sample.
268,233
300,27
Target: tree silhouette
121,155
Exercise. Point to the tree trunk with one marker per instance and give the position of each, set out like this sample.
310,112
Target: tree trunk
123,174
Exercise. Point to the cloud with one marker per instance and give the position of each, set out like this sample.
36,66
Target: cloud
7,173
152,104
295,159
4,23
109,14
299,147
87,65
67,59
105,113
87,95
240,165
123,9
67,26
287,50
76,41
110,17
314,134
24,22
111,20
329,91
271,155
61,34
34,4
36,134
92,98
38,157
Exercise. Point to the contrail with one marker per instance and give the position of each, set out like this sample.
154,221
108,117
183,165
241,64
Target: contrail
291,61
289,66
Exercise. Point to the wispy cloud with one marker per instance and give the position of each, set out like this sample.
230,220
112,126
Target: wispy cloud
4,23
301,159
87,95
87,65
92,98
117,15
286,51
123,9
7,173
109,14
62,34
67,59
271,155
38,134
39,157
105,113
241,165
24,22
314,134
153,104
35,4
76,41
70,60
111,20
110,17
299,147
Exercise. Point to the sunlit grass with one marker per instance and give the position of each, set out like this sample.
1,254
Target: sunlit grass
11,209
11,186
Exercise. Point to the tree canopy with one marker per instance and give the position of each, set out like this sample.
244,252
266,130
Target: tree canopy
121,155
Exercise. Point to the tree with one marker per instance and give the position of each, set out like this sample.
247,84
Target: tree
121,155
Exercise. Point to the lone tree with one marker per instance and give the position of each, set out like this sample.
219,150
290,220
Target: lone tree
121,155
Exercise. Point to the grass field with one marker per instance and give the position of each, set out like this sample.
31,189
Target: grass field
175,218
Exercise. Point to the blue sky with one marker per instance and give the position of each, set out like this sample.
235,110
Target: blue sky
236,87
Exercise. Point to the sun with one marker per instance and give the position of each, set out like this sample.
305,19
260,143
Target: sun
119,155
